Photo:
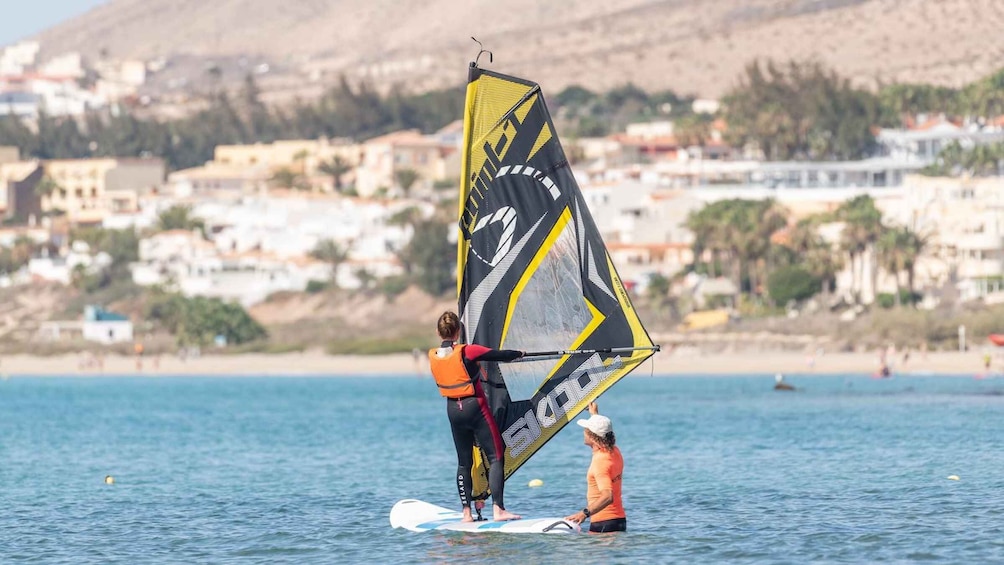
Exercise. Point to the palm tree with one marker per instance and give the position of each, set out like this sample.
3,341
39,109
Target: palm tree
335,168
46,187
816,254
914,245
862,228
331,252
890,252
763,219
301,158
406,178
740,230
709,234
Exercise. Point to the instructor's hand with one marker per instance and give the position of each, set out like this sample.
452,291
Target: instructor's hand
594,408
578,517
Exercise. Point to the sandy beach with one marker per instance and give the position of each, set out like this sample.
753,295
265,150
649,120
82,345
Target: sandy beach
678,362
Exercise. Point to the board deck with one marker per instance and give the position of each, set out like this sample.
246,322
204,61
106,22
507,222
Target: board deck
419,516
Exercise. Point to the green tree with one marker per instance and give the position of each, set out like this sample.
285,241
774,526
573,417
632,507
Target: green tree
336,168
657,292
890,252
738,232
47,186
300,157
800,111
862,229
429,258
179,217
406,178
199,320
814,254
792,283
332,253
285,177
406,217
693,129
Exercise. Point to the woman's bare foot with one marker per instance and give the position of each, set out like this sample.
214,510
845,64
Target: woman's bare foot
467,515
501,514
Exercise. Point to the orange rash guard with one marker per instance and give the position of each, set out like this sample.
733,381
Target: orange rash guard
604,473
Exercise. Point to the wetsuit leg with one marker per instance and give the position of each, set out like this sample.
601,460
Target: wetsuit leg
490,442
463,440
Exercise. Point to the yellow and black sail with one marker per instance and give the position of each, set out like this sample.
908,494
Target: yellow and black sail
534,273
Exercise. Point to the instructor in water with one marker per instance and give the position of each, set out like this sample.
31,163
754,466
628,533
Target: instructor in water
603,480
455,369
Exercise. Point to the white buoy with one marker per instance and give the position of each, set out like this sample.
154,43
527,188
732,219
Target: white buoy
109,480
953,477
536,483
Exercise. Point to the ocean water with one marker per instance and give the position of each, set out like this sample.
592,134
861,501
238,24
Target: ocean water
305,470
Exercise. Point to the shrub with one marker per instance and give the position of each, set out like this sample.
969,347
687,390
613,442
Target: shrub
888,300
792,283
315,286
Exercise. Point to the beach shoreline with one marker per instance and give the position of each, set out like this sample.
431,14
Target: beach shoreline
317,363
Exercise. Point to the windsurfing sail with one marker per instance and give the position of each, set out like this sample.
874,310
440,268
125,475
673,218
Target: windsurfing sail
533,272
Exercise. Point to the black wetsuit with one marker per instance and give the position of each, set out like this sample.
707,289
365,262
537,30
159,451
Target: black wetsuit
471,419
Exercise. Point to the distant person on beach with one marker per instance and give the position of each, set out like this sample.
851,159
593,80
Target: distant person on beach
138,350
457,374
416,355
884,369
604,508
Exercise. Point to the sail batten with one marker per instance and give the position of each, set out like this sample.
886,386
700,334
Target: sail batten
534,273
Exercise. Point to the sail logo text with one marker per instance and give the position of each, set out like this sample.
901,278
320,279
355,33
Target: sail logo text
552,407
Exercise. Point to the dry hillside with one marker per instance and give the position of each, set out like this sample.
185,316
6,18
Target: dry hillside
692,46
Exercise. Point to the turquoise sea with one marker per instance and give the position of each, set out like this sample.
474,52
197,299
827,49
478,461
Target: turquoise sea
305,470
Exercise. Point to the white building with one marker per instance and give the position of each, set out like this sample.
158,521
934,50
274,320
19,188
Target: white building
106,327
97,325
643,227
924,143
65,65
18,58
964,222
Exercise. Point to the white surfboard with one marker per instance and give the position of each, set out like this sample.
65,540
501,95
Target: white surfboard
419,516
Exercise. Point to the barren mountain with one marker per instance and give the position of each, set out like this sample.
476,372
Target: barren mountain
692,46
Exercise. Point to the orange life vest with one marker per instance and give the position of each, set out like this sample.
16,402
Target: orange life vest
450,373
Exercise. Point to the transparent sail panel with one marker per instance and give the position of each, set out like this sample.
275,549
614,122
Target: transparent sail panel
550,314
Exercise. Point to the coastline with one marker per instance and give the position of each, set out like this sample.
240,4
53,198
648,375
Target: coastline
678,362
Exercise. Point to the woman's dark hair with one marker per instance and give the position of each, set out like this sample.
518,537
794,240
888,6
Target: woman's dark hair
605,441
448,326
